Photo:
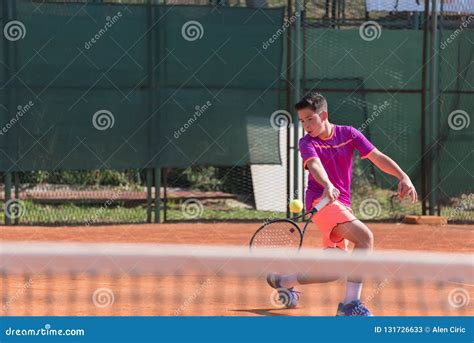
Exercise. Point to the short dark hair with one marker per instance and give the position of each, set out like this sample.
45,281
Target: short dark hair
313,100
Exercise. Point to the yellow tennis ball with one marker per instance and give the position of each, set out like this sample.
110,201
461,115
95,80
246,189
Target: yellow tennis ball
296,206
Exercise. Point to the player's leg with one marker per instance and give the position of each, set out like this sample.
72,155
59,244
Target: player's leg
285,285
303,279
363,239
354,231
326,220
337,225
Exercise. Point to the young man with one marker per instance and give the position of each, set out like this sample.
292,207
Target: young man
327,150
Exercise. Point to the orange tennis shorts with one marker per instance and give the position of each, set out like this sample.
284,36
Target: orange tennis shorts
328,218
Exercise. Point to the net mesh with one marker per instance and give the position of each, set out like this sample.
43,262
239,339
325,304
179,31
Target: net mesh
77,197
367,58
456,102
205,116
360,57
98,279
254,192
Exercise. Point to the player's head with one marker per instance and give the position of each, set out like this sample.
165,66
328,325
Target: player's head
312,112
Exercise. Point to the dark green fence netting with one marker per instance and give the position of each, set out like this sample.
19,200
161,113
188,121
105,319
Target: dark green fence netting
108,87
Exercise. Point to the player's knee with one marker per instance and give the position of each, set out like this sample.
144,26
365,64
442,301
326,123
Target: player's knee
370,239
367,239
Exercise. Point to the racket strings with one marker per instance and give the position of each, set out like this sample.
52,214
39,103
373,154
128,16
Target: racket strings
277,235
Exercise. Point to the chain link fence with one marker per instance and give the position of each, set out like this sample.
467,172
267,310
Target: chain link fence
370,59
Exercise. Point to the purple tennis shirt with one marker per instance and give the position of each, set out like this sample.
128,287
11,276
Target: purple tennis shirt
335,153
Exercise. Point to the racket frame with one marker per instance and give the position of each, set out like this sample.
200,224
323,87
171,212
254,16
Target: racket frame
286,220
292,221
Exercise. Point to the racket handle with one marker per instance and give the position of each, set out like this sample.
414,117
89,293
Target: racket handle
322,203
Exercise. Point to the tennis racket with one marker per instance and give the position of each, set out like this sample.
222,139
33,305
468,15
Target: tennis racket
283,233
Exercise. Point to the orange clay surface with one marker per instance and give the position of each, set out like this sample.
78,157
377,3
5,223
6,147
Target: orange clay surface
124,295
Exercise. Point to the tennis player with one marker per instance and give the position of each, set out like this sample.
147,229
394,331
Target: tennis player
327,150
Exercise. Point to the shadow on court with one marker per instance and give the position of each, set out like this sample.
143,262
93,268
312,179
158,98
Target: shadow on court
265,311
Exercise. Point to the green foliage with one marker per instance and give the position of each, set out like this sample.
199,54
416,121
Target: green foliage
203,178
80,214
83,177
237,180
362,177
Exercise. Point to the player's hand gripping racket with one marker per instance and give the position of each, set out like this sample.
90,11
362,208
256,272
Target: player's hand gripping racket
283,233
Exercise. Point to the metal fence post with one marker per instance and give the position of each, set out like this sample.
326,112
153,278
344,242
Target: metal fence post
8,196
296,98
157,194
434,106
16,180
424,160
149,185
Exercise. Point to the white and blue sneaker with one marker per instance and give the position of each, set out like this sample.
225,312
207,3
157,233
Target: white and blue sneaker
355,308
286,297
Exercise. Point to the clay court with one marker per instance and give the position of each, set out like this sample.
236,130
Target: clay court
196,295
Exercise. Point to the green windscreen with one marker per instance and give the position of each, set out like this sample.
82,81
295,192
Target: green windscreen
456,154
104,86
376,92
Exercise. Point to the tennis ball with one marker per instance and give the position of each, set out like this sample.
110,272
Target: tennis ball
296,206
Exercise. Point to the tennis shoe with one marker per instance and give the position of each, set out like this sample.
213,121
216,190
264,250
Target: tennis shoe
354,308
287,297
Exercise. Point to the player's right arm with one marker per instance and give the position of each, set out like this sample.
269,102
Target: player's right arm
317,170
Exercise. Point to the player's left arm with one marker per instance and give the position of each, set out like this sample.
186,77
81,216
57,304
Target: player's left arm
389,166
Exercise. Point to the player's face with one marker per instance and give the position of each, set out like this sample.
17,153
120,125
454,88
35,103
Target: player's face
311,122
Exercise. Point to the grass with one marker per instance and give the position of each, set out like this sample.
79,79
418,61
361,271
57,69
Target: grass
34,213
378,204
223,215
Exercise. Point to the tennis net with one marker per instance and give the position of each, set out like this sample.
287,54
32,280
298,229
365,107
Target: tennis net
125,279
